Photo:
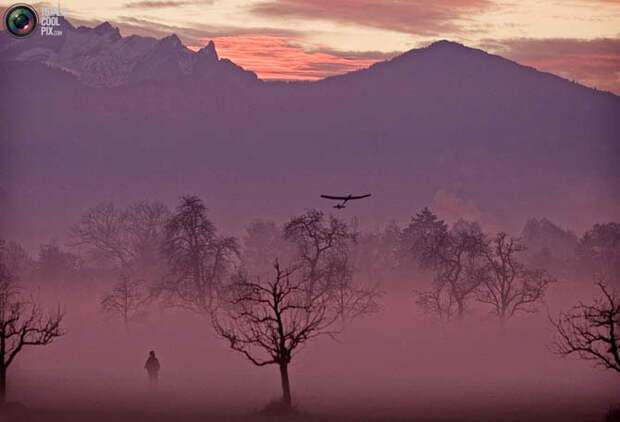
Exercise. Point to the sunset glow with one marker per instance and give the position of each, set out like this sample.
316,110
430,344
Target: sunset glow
312,39
273,57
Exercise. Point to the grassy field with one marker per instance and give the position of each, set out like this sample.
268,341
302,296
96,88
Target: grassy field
492,412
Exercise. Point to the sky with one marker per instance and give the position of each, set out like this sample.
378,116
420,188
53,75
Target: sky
312,39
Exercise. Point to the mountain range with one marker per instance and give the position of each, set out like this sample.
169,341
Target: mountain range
93,116
101,57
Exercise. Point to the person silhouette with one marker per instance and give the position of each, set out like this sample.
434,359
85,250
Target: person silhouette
152,368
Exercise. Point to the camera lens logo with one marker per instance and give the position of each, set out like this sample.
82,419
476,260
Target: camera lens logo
20,20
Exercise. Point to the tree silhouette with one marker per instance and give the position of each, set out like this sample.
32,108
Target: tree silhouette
22,322
423,239
599,252
129,237
454,257
198,259
127,299
508,286
592,332
16,261
269,318
323,251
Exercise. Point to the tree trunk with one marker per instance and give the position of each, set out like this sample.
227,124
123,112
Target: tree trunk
3,361
2,384
286,386
460,309
503,319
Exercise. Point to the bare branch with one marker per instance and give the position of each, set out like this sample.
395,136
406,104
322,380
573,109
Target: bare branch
591,331
128,298
199,261
508,286
455,257
269,317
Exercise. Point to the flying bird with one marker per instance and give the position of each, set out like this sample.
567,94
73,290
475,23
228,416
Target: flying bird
344,199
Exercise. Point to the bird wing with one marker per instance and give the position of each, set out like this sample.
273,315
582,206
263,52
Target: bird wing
337,198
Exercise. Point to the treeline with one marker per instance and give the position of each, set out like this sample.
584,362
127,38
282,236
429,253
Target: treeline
279,286
448,267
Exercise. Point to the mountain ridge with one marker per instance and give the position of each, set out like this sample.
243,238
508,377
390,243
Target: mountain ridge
108,59
467,133
101,57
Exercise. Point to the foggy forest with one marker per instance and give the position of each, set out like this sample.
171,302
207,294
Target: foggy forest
310,316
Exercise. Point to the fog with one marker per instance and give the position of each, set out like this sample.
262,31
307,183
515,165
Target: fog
396,363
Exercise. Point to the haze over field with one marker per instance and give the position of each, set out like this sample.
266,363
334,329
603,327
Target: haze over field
398,363
487,144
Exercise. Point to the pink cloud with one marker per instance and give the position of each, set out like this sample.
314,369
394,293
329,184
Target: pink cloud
408,16
143,5
594,63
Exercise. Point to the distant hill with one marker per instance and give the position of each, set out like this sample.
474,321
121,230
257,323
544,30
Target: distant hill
95,116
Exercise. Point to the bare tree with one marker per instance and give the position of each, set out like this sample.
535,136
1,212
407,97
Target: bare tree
323,250
128,299
22,322
198,259
454,257
458,274
268,319
16,260
146,224
592,332
123,237
102,230
508,286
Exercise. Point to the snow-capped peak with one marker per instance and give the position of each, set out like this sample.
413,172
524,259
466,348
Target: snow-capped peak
101,57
